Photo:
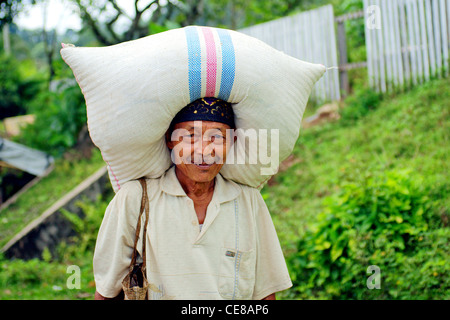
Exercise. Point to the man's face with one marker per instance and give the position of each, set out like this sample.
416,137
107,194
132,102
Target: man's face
199,148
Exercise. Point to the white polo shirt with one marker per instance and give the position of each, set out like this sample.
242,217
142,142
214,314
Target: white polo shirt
236,255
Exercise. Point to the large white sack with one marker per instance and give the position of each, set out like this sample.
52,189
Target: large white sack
134,89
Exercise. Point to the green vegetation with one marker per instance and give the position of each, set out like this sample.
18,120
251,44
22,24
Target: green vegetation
59,118
375,192
385,220
47,278
66,175
370,189
17,87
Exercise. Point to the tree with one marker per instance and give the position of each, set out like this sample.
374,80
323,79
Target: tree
104,17
8,11
49,44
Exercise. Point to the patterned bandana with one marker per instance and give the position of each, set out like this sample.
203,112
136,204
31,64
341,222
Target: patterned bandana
206,109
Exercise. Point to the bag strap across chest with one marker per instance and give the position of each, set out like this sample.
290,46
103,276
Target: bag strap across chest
144,207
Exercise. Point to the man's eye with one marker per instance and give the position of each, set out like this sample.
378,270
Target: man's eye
217,138
193,136
190,135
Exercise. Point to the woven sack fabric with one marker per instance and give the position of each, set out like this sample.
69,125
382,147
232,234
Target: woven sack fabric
134,89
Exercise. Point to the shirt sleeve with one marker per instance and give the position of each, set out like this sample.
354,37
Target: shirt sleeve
271,271
115,240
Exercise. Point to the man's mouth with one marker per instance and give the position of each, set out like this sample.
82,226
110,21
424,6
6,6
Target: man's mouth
203,166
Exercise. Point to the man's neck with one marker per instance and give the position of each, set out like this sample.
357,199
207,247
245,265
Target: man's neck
197,191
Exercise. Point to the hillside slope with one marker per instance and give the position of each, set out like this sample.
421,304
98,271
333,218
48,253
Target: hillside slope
407,131
405,135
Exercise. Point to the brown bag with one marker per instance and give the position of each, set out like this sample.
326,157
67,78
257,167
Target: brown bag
135,284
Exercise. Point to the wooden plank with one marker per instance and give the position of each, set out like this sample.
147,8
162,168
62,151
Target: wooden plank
328,31
392,44
369,47
377,60
437,37
430,35
350,16
310,48
284,34
343,75
448,21
412,43
387,45
445,42
309,36
354,65
334,62
380,52
302,43
417,40
291,35
325,48
425,43
318,58
398,44
404,40
56,206
14,198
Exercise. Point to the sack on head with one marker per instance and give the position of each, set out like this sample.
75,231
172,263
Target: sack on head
134,89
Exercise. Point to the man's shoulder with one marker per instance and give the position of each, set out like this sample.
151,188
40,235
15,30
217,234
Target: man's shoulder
130,187
245,191
133,189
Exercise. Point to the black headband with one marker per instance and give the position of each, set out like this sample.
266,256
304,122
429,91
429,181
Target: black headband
206,109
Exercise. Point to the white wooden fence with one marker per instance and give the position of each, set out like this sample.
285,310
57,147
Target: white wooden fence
309,36
407,41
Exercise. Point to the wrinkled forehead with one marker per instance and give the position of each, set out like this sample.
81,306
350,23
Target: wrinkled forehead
202,125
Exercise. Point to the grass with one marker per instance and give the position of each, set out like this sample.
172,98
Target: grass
410,130
51,277
66,175
405,131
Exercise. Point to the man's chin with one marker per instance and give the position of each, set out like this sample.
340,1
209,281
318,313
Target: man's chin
203,171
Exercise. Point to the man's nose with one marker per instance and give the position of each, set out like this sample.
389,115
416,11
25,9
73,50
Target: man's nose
202,151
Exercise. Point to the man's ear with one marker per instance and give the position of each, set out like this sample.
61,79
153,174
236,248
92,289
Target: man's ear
169,141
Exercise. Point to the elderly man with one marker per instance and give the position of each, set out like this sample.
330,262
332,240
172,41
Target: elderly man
208,237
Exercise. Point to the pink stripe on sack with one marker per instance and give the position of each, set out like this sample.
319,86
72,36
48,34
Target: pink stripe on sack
211,62
115,178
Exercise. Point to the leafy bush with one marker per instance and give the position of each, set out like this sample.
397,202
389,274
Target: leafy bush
59,119
360,104
19,85
47,278
16,90
87,226
66,175
59,116
9,88
381,220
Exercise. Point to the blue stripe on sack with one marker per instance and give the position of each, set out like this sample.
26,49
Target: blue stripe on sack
228,64
195,63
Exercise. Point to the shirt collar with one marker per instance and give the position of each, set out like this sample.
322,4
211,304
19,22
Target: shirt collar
224,190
